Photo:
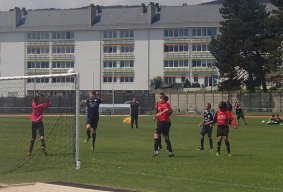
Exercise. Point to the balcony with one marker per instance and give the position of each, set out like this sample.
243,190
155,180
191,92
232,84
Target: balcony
36,57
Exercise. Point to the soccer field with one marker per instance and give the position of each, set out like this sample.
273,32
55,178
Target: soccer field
122,158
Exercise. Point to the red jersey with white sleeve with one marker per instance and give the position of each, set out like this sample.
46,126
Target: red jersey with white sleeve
223,117
165,117
37,111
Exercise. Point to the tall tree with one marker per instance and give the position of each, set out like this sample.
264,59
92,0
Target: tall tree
239,49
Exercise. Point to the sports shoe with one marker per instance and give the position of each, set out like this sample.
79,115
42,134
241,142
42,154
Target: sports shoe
29,153
87,139
217,154
211,150
200,149
155,153
159,147
171,154
229,155
92,148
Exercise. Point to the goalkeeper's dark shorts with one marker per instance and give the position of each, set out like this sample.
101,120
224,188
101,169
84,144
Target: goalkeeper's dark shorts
93,121
37,126
163,127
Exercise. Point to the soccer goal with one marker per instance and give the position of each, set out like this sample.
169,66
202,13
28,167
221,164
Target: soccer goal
59,147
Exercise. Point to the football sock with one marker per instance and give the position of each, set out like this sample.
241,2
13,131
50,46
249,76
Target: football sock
159,143
201,142
155,146
31,145
218,146
93,139
228,146
169,146
88,133
42,143
210,143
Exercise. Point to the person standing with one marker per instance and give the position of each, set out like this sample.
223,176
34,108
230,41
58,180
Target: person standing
221,118
92,104
163,126
239,112
37,123
206,125
134,110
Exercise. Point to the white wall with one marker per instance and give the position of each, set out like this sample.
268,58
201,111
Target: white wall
12,54
87,55
156,53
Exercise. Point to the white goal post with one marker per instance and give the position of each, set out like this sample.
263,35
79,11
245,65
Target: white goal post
30,84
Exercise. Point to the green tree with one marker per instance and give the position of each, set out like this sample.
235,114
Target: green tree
156,82
240,49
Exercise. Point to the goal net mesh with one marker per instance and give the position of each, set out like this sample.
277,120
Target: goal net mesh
16,97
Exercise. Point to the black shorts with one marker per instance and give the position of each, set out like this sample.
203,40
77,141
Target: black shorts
163,127
93,121
37,126
222,131
206,129
240,115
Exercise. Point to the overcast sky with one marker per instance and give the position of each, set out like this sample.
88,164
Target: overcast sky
5,5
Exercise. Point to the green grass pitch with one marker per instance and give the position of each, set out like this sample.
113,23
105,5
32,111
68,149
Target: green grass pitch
122,158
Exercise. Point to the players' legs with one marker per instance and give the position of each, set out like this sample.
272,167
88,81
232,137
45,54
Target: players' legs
132,120
165,132
94,127
33,137
136,120
156,139
41,134
210,138
88,127
243,117
227,144
159,140
219,140
202,134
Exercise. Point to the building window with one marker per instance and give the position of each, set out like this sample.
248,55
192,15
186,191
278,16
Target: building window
200,47
109,64
126,33
179,32
63,49
203,63
38,64
170,80
63,80
109,34
126,79
176,63
176,48
110,49
109,79
38,35
63,35
63,64
38,80
205,32
127,49
127,64
207,81
38,50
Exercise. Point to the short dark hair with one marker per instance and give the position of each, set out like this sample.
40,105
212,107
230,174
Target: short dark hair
163,94
93,92
222,105
165,98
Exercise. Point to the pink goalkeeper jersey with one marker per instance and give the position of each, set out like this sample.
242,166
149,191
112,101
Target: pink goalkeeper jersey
37,111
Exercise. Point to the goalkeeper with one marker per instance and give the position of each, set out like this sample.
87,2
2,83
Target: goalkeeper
36,118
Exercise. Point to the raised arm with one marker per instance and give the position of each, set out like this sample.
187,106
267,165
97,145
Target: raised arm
230,116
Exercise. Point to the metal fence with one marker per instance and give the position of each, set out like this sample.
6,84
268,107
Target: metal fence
194,102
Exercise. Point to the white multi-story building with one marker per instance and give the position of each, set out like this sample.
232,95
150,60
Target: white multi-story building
121,46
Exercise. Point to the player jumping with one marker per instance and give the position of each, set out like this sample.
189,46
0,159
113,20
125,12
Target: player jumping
92,104
222,118
37,124
206,125
163,126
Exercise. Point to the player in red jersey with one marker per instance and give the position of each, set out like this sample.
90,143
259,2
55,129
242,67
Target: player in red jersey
222,118
156,108
36,118
163,125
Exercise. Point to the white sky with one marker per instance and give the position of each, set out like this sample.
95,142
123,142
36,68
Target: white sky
5,5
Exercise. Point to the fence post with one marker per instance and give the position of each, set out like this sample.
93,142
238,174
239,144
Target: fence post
187,101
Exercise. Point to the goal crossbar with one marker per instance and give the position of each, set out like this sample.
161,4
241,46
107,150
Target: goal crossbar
38,76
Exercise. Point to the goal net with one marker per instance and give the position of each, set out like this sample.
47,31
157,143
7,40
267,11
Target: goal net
60,122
